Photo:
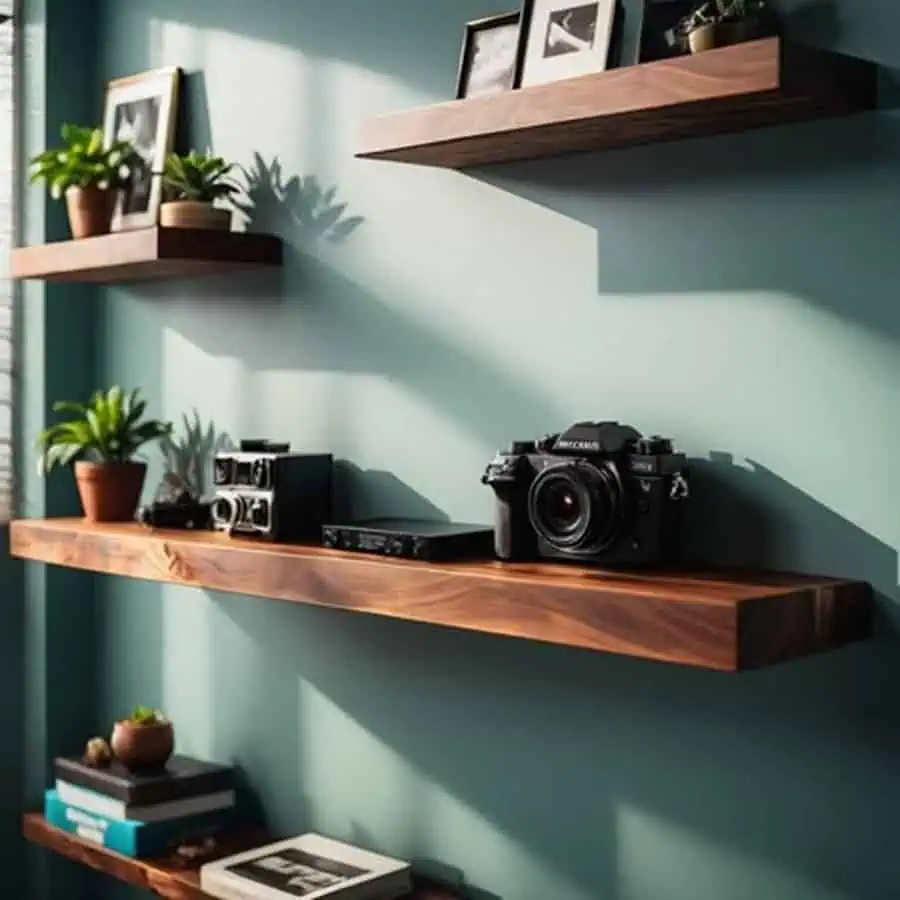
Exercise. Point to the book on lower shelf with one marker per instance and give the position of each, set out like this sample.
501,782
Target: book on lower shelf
309,866
139,840
182,777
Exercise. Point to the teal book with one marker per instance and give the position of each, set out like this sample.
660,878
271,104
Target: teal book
131,837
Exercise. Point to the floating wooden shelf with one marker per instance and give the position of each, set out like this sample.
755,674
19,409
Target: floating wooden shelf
161,877
147,254
765,82
727,621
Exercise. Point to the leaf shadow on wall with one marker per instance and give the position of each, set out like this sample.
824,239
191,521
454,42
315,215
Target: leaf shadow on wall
785,766
327,322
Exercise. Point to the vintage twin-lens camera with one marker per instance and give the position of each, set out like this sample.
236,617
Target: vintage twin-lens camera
597,493
263,489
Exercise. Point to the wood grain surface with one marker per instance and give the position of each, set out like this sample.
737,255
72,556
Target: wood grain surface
728,621
157,876
730,89
146,254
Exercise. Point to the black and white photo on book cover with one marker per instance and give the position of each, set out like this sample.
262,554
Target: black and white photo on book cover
296,872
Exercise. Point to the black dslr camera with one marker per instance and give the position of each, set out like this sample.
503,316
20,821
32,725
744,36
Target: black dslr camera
598,493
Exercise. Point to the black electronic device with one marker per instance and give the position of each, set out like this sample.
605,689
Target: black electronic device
185,512
263,489
412,539
597,493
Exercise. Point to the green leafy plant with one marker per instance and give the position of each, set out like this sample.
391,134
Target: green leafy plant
200,177
145,715
107,428
84,162
712,12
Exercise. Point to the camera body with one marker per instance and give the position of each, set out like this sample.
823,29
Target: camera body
264,490
599,493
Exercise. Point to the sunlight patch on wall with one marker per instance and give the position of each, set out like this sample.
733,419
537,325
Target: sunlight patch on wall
660,858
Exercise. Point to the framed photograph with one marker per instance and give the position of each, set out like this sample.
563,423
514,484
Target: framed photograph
143,109
659,37
487,64
564,39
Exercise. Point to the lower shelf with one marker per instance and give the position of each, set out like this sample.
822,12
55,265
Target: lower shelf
158,876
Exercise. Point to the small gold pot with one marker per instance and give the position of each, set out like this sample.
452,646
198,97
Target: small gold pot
704,37
192,214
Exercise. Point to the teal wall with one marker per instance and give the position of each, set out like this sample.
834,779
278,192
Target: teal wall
735,293
48,618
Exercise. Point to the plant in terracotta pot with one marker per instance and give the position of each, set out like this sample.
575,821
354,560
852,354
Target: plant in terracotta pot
89,176
144,741
101,441
194,183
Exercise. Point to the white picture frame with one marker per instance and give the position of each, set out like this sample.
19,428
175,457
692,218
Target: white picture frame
143,108
564,39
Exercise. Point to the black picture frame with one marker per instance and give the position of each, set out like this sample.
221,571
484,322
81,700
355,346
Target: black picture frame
466,56
614,55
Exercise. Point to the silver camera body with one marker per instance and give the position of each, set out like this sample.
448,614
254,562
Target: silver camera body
263,490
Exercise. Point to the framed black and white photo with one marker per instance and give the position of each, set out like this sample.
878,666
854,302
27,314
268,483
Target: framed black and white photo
143,109
563,39
487,64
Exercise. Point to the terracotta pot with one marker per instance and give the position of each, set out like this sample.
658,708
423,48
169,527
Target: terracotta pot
143,748
90,210
704,37
109,491
191,214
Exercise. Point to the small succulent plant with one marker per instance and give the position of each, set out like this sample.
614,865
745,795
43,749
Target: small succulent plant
146,715
200,177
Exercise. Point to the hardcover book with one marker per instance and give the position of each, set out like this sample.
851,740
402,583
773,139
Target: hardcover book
110,808
309,866
182,777
138,840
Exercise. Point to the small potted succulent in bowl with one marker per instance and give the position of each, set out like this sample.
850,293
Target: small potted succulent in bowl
721,23
89,176
101,440
144,741
193,183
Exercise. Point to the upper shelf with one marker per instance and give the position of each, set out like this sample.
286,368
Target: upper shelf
765,82
147,254
726,621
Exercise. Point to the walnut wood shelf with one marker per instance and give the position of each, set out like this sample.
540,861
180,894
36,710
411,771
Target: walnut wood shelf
765,82
158,876
145,255
726,621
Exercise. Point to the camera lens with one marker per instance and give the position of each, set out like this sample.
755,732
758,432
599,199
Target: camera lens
560,507
576,506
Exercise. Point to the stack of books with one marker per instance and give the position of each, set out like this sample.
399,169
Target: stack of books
142,815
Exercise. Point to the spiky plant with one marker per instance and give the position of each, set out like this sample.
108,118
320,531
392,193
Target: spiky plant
108,428
188,458
200,177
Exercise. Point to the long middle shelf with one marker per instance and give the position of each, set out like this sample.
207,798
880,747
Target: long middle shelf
728,621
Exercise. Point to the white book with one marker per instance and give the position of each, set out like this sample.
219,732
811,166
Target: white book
110,808
309,866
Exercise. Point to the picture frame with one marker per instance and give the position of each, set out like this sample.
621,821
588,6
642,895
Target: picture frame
564,39
489,55
143,108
